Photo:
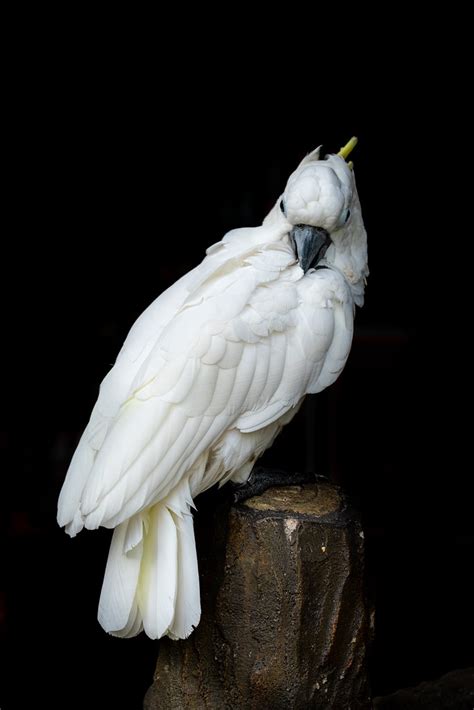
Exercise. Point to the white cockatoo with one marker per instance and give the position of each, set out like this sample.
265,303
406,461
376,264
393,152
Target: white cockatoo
206,379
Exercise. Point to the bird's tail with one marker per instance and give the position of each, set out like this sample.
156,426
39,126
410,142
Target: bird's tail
151,581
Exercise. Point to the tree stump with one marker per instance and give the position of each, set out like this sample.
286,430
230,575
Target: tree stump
284,619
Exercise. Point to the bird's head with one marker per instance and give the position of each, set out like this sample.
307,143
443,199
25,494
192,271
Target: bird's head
323,218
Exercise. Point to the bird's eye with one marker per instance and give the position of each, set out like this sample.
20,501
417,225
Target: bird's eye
282,207
348,214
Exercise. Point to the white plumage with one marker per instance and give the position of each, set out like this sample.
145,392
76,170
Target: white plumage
207,377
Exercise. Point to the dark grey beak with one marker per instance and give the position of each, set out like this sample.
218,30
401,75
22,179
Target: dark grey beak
310,244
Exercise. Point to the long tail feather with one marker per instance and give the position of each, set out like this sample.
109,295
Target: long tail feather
157,585
117,605
188,600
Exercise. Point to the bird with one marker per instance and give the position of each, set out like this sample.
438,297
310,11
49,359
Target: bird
207,377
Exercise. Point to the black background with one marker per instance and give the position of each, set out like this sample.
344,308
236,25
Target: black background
116,186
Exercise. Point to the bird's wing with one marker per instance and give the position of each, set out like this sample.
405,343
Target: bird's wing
114,390
119,383
238,352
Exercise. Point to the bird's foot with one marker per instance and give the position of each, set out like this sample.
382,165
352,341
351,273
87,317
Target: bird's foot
263,478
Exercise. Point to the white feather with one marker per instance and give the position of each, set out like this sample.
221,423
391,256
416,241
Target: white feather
157,587
71,492
188,600
118,605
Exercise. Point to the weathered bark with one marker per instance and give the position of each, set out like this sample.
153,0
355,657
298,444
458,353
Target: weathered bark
284,621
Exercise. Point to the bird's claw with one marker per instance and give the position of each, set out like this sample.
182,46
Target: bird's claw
263,478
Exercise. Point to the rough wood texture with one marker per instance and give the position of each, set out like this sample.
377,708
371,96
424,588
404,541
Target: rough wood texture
284,621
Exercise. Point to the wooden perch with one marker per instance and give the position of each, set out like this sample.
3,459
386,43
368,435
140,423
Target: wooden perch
284,622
